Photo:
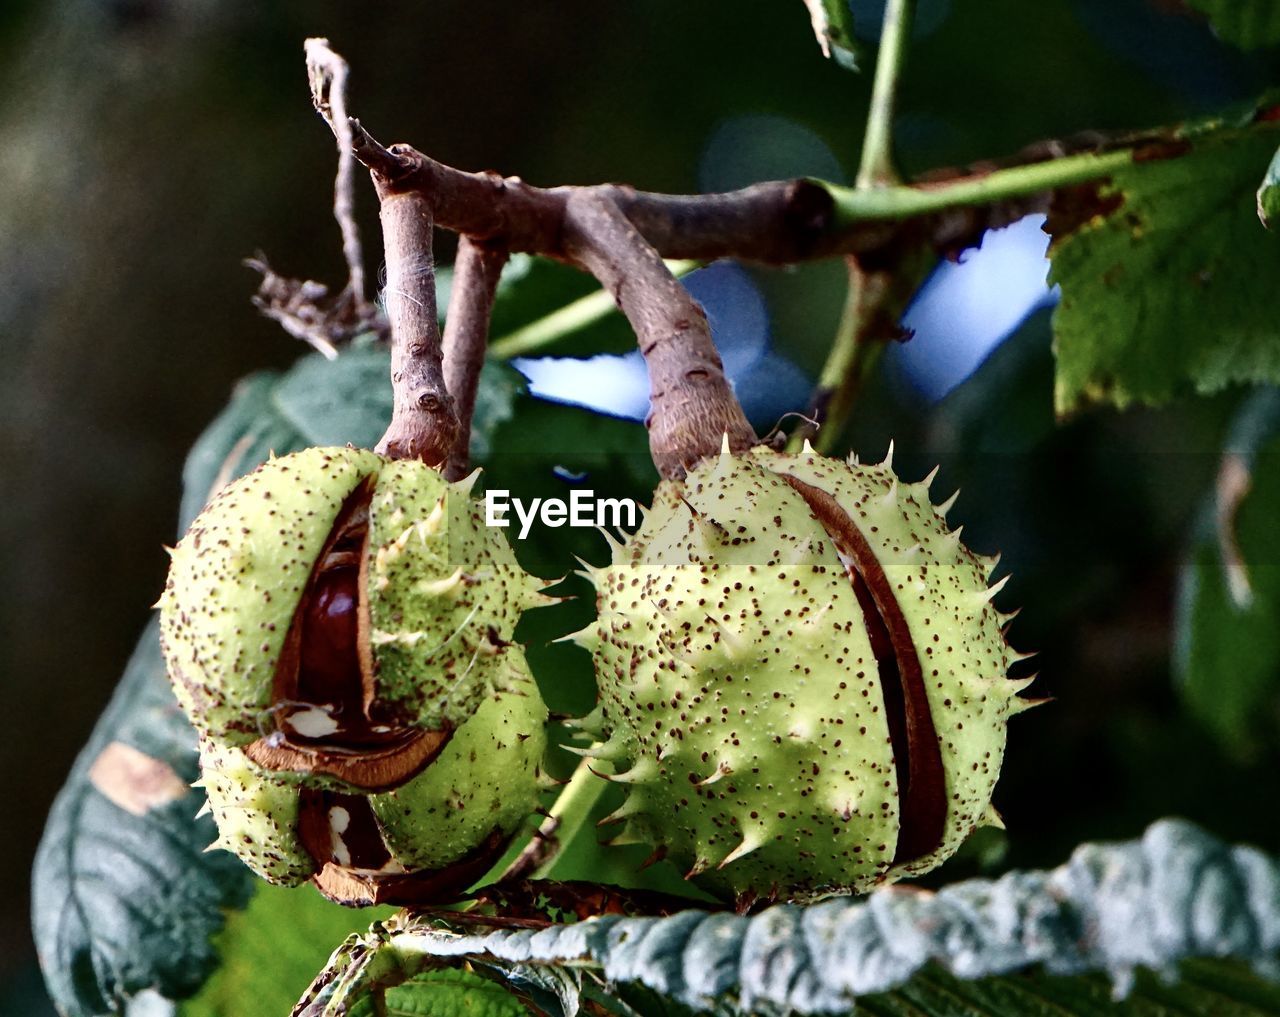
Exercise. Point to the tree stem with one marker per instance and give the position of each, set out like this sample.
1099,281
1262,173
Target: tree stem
423,422
466,334
569,815
621,235
873,308
692,409
877,168
328,75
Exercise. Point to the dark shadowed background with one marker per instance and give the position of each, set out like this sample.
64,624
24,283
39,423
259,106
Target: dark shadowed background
147,146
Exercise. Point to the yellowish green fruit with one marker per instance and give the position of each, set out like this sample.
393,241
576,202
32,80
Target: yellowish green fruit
803,682
236,579
439,595
340,629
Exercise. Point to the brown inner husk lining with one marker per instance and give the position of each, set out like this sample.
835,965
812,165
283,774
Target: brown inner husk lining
326,662
922,793
357,882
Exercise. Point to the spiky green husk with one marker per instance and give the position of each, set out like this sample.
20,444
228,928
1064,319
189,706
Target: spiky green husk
445,593
959,634
739,691
485,779
236,577
256,812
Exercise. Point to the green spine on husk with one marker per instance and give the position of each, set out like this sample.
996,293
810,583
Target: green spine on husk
445,593
256,812
740,697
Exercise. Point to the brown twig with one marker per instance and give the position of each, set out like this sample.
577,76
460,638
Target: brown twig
327,73
423,422
476,271
303,307
780,222
692,408
621,235
542,847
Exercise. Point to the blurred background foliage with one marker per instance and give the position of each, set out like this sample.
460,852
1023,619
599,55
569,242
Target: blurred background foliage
147,146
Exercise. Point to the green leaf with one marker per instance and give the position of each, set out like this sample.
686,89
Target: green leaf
317,402
124,896
1227,655
447,993
1160,267
833,28
500,385
271,950
1174,895
1244,23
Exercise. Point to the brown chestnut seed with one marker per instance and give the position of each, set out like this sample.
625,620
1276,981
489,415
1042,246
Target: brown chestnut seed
327,718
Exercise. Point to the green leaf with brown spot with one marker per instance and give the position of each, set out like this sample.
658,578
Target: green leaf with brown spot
1160,267
124,897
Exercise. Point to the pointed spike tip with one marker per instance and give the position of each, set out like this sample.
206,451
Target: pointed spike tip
745,848
587,638
994,589
465,485
614,544
1018,705
697,869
